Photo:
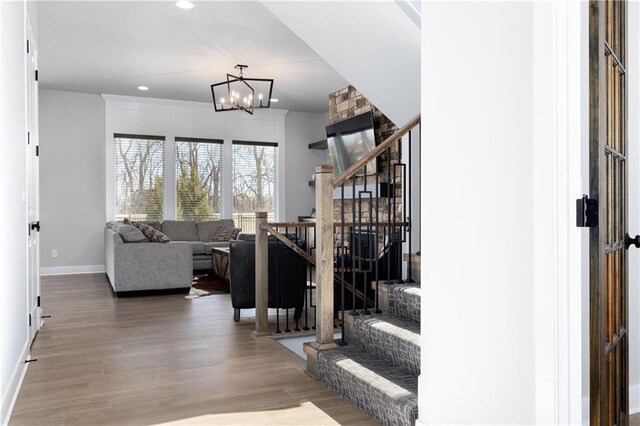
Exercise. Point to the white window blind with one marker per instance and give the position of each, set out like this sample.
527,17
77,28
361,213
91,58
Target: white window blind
198,178
139,176
255,173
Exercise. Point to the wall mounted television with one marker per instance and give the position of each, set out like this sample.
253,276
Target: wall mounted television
350,140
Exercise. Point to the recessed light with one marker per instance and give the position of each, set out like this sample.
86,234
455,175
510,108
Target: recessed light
143,88
184,4
275,100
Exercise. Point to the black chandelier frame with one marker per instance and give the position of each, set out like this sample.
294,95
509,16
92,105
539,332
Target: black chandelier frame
234,79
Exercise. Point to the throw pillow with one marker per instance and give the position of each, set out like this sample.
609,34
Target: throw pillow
131,234
152,233
226,234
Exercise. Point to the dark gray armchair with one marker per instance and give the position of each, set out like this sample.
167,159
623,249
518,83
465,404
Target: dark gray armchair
287,276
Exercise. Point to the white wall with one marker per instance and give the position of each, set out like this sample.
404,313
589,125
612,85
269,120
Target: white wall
13,244
301,129
373,45
478,323
72,201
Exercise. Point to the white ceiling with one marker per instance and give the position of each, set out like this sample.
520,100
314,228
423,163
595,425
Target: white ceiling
114,47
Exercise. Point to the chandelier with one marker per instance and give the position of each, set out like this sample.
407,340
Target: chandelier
241,93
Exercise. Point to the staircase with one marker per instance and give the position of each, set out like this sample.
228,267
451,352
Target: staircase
379,367
360,237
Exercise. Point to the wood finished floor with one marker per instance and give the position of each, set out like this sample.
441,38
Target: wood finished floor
162,359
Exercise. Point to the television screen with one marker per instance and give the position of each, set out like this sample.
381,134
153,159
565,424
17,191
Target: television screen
350,140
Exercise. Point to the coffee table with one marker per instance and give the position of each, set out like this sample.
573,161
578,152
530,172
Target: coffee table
220,262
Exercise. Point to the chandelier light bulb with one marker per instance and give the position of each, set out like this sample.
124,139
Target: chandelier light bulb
260,96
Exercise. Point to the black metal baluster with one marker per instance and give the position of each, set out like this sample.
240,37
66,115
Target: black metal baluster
396,237
277,286
366,259
286,309
342,263
307,285
377,243
352,247
402,225
389,242
410,216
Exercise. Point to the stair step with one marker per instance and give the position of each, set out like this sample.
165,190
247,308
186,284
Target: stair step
404,301
390,338
387,393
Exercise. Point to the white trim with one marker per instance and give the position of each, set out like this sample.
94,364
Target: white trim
420,423
12,391
73,270
557,155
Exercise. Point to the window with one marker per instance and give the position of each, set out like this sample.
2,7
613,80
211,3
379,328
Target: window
255,171
198,178
139,177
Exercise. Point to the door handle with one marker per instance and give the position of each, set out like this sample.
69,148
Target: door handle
628,241
35,225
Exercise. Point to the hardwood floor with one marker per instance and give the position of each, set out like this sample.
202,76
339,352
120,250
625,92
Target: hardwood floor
160,359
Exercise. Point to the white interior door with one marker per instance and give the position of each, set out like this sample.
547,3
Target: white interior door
33,193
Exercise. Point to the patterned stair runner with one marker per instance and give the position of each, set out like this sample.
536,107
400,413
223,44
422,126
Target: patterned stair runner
391,338
387,393
378,371
404,301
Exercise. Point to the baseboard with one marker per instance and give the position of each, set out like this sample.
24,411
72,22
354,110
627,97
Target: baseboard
15,382
420,423
634,399
72,270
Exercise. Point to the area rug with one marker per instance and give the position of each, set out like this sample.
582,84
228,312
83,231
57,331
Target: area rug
207,285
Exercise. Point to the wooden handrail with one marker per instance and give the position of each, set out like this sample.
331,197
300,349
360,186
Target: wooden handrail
287,242
351,171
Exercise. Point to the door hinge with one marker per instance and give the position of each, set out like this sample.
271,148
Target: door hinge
38,301
29,229
29,320
36,75
28,138
27,46
37,150
586,212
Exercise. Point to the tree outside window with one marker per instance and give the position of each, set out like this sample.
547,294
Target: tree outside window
139,177
198,179
254,182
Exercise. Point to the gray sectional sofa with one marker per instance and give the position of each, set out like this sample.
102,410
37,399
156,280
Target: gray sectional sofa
135,266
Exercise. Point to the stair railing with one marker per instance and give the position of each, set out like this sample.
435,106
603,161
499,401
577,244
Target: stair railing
363,225
373,200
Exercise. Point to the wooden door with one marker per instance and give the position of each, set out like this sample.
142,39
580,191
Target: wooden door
609,381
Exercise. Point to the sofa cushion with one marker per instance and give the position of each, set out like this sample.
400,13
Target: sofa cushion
207,229
180,230
114,225
226,234
152,233
131,234
198,248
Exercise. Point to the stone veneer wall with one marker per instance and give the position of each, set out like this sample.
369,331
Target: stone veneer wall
346,103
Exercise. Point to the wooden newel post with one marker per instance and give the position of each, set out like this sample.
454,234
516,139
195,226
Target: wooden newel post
324,269
262,276
324,254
